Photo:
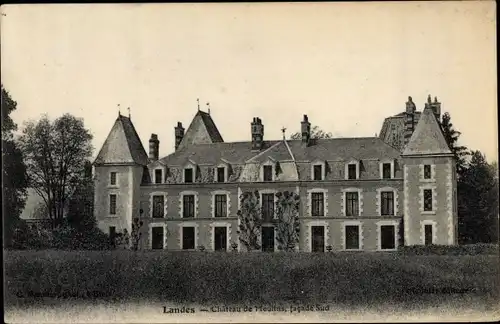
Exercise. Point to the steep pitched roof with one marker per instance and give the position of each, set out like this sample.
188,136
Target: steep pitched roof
428,137
122,145
202,130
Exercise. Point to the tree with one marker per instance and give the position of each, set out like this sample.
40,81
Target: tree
55,155
81,203
316,133
478,210
14,179
288,225
451,135
250,216
136,233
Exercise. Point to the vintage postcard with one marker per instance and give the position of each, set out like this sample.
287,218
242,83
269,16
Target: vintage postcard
250,162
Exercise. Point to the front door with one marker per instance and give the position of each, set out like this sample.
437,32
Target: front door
388,237
220,238
157,238
318,238
267,239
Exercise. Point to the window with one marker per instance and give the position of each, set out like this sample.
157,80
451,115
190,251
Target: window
351,171
318,239
387,237
352,237
157,237
220,238
188,175
427,199
112,178
352,204
268,173
267,206
220,205
188,238
158,176
158,206
428,234
112,204
317,172
267,237
386,171
387,203
188,206
427,171
221,174
317,204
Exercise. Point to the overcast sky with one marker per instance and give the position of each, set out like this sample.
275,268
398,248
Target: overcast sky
347,66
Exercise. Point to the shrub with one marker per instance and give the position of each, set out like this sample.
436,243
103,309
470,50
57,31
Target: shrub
469,249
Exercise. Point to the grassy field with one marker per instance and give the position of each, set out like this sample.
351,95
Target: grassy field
197,277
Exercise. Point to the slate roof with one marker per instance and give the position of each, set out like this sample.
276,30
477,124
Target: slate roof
201,130
123,145
212,130
344,149
428,137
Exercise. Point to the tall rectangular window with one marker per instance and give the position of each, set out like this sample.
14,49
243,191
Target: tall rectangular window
352,237
318,172
188,206
267,206
188,238
158,206
427,199
352,204
220,205
188,175
112,204
427,171
428,234
158,176
268,173
351,171
386,171
317,204
112,178
221,174
387,201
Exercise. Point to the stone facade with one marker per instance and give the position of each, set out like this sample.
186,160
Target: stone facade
371,196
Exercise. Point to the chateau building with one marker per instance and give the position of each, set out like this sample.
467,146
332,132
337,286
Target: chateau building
366,193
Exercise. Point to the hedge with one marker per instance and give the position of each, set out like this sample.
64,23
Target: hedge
469,249
236,277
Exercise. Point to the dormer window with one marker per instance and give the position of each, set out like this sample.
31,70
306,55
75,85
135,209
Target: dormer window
188,175
221,174
352,171
268,173
158,175
317,172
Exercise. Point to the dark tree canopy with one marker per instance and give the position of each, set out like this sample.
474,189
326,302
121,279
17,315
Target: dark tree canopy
55,156
316,133
451,135
250,215
14,179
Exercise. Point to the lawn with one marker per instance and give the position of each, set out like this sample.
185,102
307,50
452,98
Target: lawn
197,277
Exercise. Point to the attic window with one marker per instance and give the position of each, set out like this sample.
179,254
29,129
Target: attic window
221,174
352,171
386,171
158,176
188,175
268,173
317,172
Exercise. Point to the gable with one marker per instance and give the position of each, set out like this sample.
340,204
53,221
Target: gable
428,137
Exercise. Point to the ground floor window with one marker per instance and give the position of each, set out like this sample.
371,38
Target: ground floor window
220,238
428,234
387,237
267,236
318,239
112,235
352,237
157,237
188,238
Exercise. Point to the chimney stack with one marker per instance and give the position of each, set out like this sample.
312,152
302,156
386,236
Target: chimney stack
435,106
154,147
409,120
179,135
257,134
305,127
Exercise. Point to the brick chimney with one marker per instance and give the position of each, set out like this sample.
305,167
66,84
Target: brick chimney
409,120
257,134
179,135
435,106
154,147
305,127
